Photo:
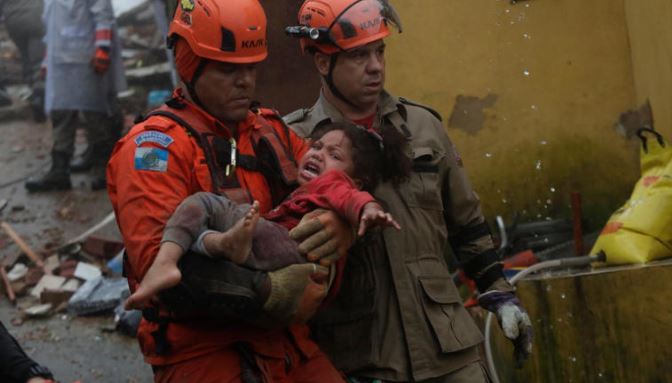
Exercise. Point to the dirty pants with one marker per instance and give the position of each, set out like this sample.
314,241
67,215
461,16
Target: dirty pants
271,246
102,131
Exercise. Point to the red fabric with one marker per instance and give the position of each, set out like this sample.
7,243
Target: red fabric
366,122
143,201
333,190
101,60
103,35
186,61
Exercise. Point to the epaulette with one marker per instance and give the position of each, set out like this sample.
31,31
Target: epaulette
430,110
296,116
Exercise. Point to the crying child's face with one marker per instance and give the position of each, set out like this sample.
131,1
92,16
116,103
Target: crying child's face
333,151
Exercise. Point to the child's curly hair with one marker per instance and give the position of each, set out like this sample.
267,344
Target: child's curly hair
377,157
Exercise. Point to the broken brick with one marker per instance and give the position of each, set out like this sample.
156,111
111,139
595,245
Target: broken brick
51,264
67,268
51,282
55,297
102,247
34,275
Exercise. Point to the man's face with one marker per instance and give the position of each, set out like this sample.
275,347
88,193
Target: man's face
359,74
331,152
227,89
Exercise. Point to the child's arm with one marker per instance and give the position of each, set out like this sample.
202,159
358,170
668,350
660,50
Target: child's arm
335,191
374,215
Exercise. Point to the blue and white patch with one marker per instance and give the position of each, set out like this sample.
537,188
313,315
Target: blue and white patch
154,136
152,159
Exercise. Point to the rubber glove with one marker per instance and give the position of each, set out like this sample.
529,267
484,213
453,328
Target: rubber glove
512,318
297,292
323,236
101,60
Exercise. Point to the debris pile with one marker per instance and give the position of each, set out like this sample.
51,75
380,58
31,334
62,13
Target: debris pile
73,278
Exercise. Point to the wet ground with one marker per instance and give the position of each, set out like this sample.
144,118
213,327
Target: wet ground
75,348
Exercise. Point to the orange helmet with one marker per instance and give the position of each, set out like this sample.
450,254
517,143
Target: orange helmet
232,31
332,26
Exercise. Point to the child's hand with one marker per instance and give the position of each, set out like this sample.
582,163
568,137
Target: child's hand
374,215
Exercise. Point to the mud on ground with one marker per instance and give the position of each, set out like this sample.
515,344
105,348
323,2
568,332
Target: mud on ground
74,348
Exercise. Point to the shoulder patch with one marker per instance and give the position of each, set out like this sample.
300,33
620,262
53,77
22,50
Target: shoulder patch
296,116
152,159
430,110
155,137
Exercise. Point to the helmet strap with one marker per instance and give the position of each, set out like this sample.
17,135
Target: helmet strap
330,81
191,85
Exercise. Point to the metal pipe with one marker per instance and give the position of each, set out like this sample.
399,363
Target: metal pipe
104,222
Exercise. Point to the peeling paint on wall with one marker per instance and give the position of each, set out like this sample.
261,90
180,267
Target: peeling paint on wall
629,122
468,112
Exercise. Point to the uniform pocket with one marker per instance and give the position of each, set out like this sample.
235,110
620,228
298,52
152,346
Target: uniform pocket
423,187
453,328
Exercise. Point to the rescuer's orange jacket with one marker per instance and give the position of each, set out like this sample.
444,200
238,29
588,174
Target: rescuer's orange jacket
152,169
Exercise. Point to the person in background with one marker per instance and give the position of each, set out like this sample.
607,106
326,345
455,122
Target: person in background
84,75
16,366
24,25
398,316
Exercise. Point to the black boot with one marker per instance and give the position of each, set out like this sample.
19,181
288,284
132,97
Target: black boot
99,182
99,164
58,177
84,162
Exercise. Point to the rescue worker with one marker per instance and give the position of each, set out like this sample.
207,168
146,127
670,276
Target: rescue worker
84,75
398,316
22,19
206,138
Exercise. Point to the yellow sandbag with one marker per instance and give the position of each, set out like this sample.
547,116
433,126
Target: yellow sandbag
641,230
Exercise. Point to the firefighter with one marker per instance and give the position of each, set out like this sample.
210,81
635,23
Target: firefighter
398,316
206,138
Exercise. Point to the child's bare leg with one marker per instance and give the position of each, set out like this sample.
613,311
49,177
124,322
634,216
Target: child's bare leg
162,274
234,244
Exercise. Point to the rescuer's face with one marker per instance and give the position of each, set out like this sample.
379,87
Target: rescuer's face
359,74
227,89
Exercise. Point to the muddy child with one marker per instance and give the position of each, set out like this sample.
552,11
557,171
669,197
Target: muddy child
344,160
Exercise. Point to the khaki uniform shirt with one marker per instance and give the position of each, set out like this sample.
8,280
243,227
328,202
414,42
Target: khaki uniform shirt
398,315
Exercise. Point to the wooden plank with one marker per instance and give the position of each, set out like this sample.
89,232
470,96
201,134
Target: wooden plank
22,244
8,286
